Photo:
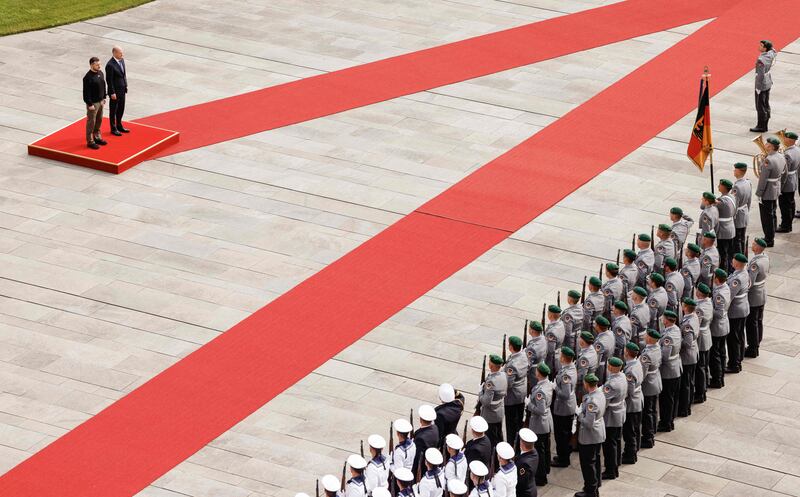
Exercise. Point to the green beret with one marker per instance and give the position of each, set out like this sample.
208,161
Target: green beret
587,336
695,248
644,237
690,301
630,254
740,165
640,291
554,309
496,359
657,278
543,368
665,227
671,263
632,346
791,135
616,362
535,325
568,351
761,242
595,281
670,314
591,379
710,197
740,257
721,274
621,305
677,211
710,234
515,341
704,289
575,294
653,333
726,183
773,141
612,266
602,321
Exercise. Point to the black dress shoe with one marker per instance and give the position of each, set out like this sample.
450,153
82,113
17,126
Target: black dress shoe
699,400
100,141
751,353
608,476
115,132
683,414
771,244
628,460
783,230
124,130
647,444
758,130
559,464
585,494
732,370
541,483
93,145
664,429
797,214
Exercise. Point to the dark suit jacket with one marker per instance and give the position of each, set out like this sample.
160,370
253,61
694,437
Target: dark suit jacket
425,437
479,449
116,79
526,473
447,416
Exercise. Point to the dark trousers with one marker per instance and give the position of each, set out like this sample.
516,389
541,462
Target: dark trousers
514,416
786,204
495,433
632,434
716,360
725,248
612,453
686,391
755,328
649,418
735,340
701,376
562,432
667,405
762,109
542,445
740,242
590,467
116,111
768,220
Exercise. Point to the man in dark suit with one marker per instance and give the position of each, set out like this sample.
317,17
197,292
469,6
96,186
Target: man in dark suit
425,437
527,463
117,83
448,413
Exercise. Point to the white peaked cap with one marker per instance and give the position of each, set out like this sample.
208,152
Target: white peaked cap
478,424
447,393
356,462
454,441
331,483
376,442
403,474
433,456
402,426
505,450
381,492
477,468
455,486
426,412
527,435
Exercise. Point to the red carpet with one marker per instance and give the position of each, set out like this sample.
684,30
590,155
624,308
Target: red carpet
310,98
137,439
122,152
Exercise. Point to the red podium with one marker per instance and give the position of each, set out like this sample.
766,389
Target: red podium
122,152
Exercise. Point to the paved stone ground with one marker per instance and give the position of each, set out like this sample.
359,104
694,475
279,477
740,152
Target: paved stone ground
107,280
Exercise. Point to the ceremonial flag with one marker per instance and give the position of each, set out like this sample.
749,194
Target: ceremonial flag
700,145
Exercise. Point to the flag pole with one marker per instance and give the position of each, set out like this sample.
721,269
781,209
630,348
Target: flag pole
706,75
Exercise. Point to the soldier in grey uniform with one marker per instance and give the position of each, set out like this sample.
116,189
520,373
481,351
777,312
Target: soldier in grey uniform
651,386
586,362
612,288
536,350
691,268
628,273
657,299
690,330
720,326
671,341
621,327
640,315
743,193
739,283
673,283
709,259
758,268
763,85
645,258
789,183
665,248
555,332
769,187
594,303
615,390
705,312
516,368
492,397
564,406
573,319
634,402
681,226
604,345
709,215
541,419
726,235
591,435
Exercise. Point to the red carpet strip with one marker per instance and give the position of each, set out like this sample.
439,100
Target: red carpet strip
121,450
326,94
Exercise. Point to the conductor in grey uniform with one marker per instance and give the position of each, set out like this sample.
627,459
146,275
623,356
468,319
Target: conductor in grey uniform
763,84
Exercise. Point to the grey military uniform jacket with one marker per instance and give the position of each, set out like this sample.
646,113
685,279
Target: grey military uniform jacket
645,259
705,312
709,219
554,334
671,340
739,283
674,286
690,329
564,403
709,261
536,351
758,267
720,326
621,328
572,317
615,389
789,180
612,291
690,272
492,397
664,249
604,345
634,376
651,365
586,363
541,421
590,418
743,193
592,307
516,369
640,319
769,182
657,302
763,67
726,207
628,274
680,231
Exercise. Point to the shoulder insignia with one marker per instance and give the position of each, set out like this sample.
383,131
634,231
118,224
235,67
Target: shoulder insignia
567,318
589,305
660,249
699,312
645,359
735,283
667,341
629,377
734,191
719,299
754,267
598,347
606,389
489,384
584,362
529,353
653,303
551,337
521,471
685,271
670,287
566,379
620,332
510,371
641,265
539,396
591,407
635,320
607,292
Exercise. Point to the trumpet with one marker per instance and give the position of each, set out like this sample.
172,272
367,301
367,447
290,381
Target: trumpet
758,159
782,137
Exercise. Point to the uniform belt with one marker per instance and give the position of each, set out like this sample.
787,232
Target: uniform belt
637,389
791,173
725,219
741,207
674,356
651,372
740,296
615,404
760,283
773,180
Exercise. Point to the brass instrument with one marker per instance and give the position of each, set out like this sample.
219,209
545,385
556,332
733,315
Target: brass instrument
782,137
759,159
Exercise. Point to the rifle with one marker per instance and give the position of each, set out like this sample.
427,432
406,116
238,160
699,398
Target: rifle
633,242
652,235
525,335
483,380
411,421
544,308
362,448
391,438
600,273
464,435
504,348
583,291
747,246
344,468
618,252
558,299
317,492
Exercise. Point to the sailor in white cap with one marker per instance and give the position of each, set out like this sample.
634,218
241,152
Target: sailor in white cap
529,473
377,472
431,484
405,482
456,467
504,481
404,451
448,413
381,492
427,435
480,447
357,484
332,486
457,488
481,487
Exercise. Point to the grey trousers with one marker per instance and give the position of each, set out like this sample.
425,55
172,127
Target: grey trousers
94,118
